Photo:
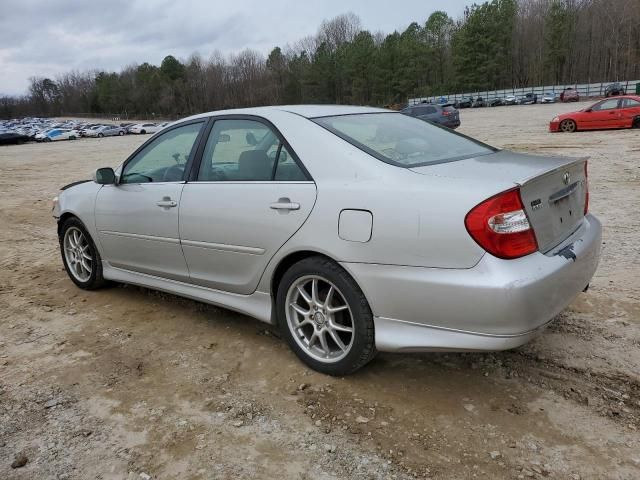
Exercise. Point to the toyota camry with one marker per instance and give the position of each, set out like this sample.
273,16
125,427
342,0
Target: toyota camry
353,229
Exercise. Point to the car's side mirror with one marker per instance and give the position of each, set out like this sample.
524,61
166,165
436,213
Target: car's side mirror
105,176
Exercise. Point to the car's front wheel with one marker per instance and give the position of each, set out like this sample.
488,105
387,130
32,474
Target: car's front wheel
325,317
568,126
80,256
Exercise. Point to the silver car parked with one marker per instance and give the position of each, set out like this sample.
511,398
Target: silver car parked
105,131
354,229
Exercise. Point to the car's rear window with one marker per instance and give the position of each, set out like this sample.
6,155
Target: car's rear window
401,140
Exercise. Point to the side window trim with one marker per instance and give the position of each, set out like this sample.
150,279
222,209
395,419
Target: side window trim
276,162
192,176
194,148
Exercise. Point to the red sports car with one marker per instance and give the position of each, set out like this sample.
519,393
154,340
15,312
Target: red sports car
618,112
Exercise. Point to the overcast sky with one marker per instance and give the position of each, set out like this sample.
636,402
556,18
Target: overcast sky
46,38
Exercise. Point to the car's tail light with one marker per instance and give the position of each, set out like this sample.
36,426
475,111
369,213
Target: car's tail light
445,113
586,189
501,226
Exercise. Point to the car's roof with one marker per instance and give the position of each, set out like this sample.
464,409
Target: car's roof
620,97
307,111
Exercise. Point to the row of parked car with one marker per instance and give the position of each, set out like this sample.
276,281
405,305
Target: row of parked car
567,95
23,130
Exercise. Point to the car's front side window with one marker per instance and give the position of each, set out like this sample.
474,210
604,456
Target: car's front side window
246,151
164,158
606,105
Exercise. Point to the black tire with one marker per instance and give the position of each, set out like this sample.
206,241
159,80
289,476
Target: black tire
636,123
362,349
568,126
95,280
121,133
143,131
100,135
47,139
72,138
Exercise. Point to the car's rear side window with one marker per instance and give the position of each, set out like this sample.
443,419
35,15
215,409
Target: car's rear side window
247,151
630,103
401,140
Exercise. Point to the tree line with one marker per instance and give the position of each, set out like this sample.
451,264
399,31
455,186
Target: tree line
496,44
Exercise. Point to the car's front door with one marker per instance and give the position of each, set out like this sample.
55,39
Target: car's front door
604,114
249,195
137,219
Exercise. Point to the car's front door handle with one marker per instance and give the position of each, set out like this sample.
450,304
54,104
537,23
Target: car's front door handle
285,204
166,202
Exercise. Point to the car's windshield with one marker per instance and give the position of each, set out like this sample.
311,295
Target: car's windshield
401,140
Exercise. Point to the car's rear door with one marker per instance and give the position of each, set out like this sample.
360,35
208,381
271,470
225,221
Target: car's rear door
137,219
248,195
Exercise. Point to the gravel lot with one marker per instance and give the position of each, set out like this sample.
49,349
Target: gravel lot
129,383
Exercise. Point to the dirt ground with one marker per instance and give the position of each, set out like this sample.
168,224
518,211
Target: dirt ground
129,383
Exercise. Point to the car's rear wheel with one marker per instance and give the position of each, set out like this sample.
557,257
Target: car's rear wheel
100,135
568,126
80,256
143,131
325,317
121,133
47,139
636,123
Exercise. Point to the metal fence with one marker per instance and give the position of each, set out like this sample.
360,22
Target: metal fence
584,90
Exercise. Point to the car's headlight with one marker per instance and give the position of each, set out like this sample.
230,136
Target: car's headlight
555,119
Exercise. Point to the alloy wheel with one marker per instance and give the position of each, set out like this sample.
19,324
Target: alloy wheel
320,319
568,126
77,254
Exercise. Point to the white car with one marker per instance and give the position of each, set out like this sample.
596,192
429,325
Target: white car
145,128
510,100
57,134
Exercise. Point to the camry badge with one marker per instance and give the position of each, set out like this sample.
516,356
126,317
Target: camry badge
566,178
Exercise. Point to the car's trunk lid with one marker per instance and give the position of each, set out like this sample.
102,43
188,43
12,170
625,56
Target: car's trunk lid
553,189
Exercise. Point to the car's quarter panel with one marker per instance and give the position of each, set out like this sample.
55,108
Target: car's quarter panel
138,234
229,230
495,298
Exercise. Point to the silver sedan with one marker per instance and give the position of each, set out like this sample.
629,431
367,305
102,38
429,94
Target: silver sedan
354,229
105,131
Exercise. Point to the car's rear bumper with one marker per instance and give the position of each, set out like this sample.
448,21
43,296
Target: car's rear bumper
452,124
497,304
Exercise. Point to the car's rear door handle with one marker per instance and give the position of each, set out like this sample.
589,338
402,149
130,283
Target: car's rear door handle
285,204
166,202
